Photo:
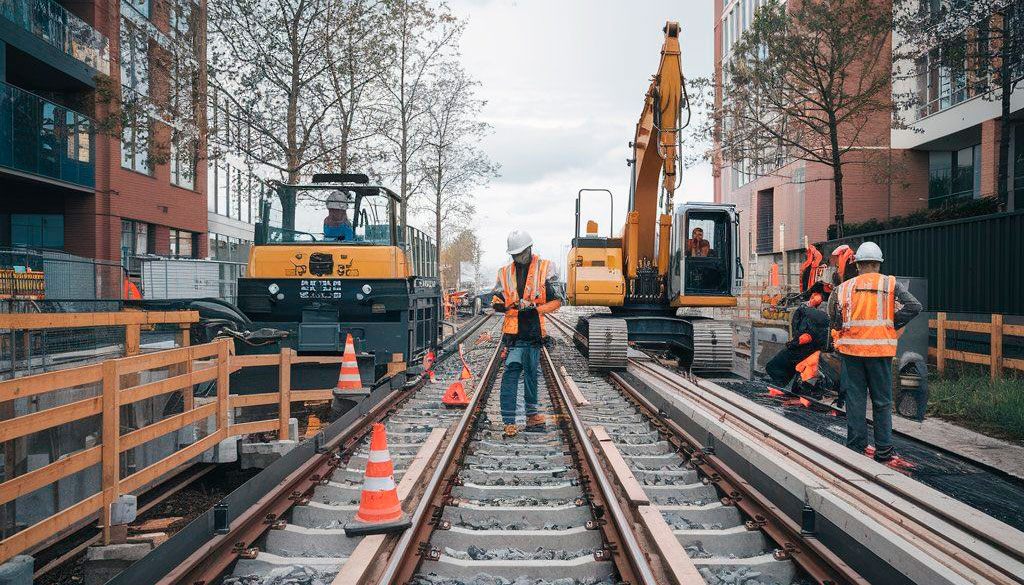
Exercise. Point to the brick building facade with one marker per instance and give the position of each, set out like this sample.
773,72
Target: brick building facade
70,178
784,209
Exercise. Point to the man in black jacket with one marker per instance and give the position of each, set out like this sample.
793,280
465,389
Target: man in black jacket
810,334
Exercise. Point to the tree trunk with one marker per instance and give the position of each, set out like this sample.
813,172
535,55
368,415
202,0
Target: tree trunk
837,175
1006,83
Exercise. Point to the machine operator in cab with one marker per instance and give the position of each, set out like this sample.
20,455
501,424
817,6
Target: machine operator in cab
337,225
526,290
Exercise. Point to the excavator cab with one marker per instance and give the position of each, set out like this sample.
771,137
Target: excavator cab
705,268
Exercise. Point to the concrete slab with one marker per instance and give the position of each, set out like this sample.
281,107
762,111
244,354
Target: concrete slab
561,491
584,568
298,541
103,563
459,538
261,455
517,518
735,542
320,515
17,571
265,563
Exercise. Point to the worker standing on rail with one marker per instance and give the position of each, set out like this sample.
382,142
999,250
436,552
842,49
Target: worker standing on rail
526,290
867,311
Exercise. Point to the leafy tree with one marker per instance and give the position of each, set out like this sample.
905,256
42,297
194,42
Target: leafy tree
808,81
968,49
451,161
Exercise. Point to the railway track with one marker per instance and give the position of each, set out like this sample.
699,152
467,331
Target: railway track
944,540
623,484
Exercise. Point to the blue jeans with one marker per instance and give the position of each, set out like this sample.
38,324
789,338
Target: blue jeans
860,376
523,358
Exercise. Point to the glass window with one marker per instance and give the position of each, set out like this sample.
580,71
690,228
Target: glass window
134,58
37,230
141,6
182,161
135,146
181,243
223,187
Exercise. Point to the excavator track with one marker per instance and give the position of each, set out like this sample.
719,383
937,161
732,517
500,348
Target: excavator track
606,343
712,346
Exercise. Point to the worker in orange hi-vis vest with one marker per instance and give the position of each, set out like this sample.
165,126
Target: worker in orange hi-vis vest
527,289
867,311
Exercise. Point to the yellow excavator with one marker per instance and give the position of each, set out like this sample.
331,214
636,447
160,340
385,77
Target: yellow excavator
664,268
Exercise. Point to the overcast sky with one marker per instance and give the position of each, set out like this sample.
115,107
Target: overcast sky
565,82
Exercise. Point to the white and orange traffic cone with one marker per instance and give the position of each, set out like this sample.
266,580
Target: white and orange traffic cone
455,396
349,381
380,511
466,374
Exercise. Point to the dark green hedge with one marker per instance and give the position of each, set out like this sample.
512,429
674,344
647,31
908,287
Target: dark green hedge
956,210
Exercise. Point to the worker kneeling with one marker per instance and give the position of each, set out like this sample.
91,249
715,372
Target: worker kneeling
810,334
526,290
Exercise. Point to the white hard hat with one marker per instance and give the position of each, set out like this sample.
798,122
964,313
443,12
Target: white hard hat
338,200
869,252
518,240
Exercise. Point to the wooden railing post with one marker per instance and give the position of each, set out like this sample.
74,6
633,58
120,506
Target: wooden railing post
940,343
132,339
284,383
996,351
111,451
223,373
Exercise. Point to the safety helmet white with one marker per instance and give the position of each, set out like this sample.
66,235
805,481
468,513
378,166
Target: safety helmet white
338,200
869,252
518,240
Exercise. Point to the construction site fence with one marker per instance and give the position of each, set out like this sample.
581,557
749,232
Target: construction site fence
33,274
1000,355
77,333
201,423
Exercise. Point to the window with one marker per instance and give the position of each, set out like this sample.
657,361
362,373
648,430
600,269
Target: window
765,220
134,58
140,6
135,146
180,17
134,238
953,175
37,230
181,243
182,161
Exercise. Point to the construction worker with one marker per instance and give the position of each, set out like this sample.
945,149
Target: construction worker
526,290
810,334
697,246
842,261
867,311
337,225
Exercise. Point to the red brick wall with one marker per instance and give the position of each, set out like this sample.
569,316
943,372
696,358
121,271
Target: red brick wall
93,224
989,158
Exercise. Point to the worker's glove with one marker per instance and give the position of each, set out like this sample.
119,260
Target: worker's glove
524,304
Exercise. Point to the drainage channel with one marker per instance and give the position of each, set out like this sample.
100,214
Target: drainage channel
309,545
722,545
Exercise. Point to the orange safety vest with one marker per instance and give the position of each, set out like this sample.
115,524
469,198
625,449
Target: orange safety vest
868,305
534,291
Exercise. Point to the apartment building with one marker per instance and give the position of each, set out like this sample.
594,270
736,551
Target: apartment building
236,185
955,118
782,209
80,170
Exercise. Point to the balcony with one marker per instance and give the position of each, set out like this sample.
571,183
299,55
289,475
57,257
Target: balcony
41,138
68,33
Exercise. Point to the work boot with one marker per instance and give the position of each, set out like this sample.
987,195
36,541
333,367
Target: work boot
511,431
535,422
885,455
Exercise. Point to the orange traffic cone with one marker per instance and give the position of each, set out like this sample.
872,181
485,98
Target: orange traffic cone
348,377
428,360
433,376
455,396
379,509
466,374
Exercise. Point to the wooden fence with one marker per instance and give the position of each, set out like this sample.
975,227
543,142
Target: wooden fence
119,383
995,329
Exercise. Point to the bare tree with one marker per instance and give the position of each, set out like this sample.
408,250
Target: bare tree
451,162
421,36
270,61
811,82
463,246
961,50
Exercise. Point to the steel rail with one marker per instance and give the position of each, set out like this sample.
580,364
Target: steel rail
634,554
741,414
819,562
402,562
209,562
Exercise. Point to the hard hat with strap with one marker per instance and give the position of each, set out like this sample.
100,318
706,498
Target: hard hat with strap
535,291
868,305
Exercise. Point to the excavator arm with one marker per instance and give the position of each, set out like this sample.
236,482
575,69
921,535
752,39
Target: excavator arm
656,162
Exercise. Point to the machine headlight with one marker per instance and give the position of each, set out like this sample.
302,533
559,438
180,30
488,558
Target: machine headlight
367,289
359,296
280,296
273,288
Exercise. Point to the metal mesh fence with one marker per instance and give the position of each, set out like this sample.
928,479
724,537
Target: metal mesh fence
27,273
